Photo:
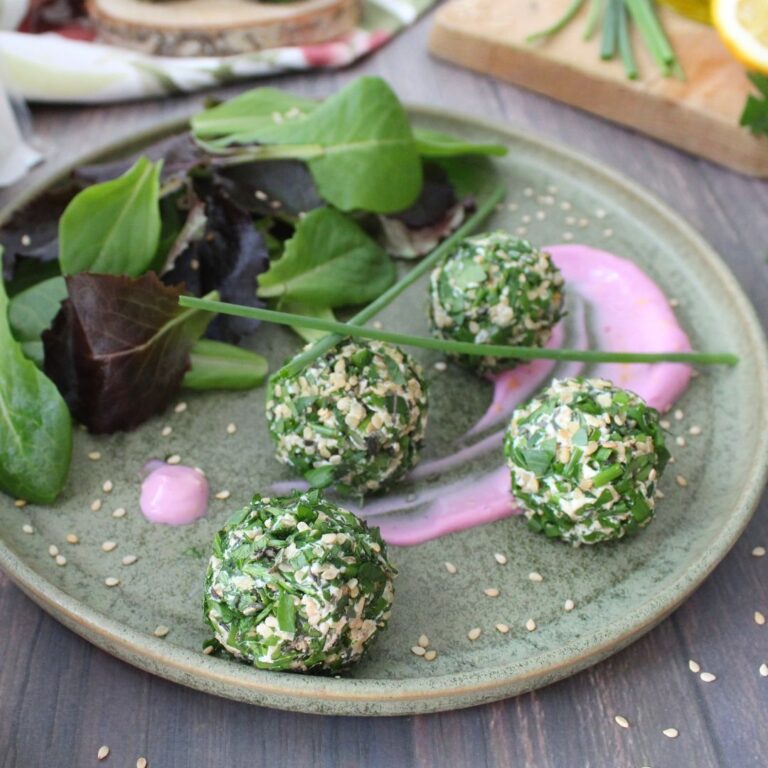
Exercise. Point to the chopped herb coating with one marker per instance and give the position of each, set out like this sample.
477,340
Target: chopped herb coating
495,289
297,583
353,418
585,458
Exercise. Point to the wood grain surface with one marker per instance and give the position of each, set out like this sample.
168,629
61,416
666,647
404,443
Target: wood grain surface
61,699
699,113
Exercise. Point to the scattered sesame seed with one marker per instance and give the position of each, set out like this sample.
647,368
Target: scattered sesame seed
94,455
423,641
129,560
567,235
535,576
525,219
53,550
607,232
175,459
707,677
275,205
72,538
103,752
568,606
600,213
180,407
161,630
474,633
26,241
119,512
541,215
681,481
521,231
528,192
695,430
512,207
583,223
621,721
763,670
679,415
664,424
377,324
566,206
95,505
671,733
107,486
570,220
530,625
491,592
500,559
165,431
680,440
674,303
430,655
61,560
450,567
671,460
231,429
223,495
417,650
27,528
441,366
694,667
20,503
141,762
503,628
552,189
208,650
108,546
759,618
111,581
260,195
758,552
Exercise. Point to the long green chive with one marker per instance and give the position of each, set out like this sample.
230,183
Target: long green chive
559,25
452,347
610,36
625,44
595,11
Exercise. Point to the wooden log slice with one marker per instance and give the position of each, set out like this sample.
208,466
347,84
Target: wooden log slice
219,27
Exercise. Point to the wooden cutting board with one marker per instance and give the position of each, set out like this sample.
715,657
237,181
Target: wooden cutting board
699,114
219,27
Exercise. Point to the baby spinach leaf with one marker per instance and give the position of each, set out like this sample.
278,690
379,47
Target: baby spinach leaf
119,348
439,144
329,262
35,425
32,311
113,227
216,365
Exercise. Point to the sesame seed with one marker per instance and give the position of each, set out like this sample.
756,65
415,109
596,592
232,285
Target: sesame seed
424,641
141,762
763,670
521,231
552,189
680,440
474,633
693,666
535,576
679,415
583,223
26,241
567,235
275,205
621,721
223,495
180,407
107,486
53,550
759,618
95,505
108,546
377,324
528,192
441,366
671,733
525,219
707,677
61,560
175,459
568,606
417,650
758,552
671,459
530,625
566,206
119,512
695,430
161,630
430,655
500,559
491,592
450,567
111,581
512,207
20,503
27,528
664,424
674,303
260,195
600,213
503,628
681,481
129,560
165,431
231,429
103,752
541,215
72,538
570,220
607,232
94,455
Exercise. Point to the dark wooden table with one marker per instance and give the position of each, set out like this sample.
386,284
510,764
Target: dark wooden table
60,698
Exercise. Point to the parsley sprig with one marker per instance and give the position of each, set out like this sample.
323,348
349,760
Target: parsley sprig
755,114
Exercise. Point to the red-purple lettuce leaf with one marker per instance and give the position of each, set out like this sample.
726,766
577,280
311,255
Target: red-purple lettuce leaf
119,348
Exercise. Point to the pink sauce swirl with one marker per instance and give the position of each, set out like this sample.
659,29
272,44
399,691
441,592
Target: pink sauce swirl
173,494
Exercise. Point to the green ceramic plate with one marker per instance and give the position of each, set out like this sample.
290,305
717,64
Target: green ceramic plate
620,592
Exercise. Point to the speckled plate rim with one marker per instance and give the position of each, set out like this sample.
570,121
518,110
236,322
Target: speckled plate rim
350,696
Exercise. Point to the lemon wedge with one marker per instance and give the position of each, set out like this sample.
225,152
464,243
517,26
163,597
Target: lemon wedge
743,25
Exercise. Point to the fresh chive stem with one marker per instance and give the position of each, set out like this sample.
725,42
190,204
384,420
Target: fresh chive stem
625,43
342,330
596,8
484,209
559,25
610,36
